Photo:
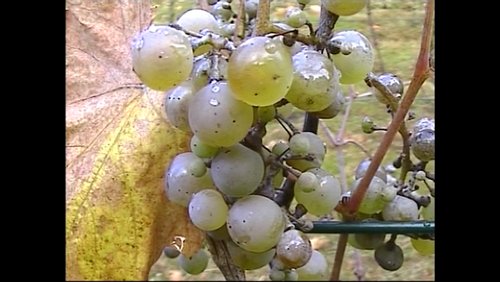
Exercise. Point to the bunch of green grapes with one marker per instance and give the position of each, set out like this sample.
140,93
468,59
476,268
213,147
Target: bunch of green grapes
256,198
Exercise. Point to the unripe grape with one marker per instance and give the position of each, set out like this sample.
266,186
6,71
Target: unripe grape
367,125
171,252
195,264
423,247
295,17
344,7
201,149
355,59
260,71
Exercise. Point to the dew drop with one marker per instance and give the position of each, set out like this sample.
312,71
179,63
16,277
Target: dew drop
214,102
215,89
270,47
138,44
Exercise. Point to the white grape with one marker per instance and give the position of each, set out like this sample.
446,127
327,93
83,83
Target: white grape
344,7
249,260
315,81
237,170
400,208
162,57
177,102
195,264
356,58
255,223
324,198
260,71
180,183
217,118
316,269
207,210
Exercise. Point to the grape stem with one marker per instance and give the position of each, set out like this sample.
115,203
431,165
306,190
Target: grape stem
406,163
222,258
420,74
371,25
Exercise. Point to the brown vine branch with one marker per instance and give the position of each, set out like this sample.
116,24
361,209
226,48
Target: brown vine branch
239,30
419,76
203,4
339,256
263,18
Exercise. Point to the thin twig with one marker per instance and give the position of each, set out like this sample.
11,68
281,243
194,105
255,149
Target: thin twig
406,163
419,76
374,35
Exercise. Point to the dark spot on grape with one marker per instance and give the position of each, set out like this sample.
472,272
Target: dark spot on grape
215,114
186,192
160,57
178,190
218,125
229,226
244,221
211,214
307,56
216,131
256,94
276,76
178,98
234,121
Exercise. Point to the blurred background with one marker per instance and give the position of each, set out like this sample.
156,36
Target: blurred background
394,29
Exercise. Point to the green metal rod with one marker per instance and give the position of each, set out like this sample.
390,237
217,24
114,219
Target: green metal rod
391,227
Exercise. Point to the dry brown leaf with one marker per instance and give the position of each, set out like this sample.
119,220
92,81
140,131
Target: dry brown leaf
117,216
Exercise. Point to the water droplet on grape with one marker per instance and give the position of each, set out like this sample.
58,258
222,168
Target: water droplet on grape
214,102
215,89
270,47
138,44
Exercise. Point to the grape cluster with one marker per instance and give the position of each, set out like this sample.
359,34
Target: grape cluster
236,188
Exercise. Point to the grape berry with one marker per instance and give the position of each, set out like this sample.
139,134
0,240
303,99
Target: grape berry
242,191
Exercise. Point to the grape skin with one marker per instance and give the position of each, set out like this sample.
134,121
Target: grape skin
217,118
162,57
249,216
353,66
260,71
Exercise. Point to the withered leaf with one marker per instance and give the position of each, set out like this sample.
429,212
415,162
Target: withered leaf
117,148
